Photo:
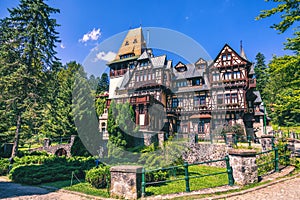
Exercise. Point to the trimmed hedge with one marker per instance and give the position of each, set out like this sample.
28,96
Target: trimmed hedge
42,169
4,166
98,177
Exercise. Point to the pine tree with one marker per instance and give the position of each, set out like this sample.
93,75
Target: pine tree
261,73
27,43
103,84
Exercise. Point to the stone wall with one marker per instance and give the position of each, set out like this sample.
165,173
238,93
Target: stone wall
201,152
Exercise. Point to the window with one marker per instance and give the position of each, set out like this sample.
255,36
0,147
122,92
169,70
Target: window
131,66
134,41
224,57
220,98
180,102
144,63
236,75
196,81
234,98
149,76
229,56
201,127
126,43
202,100
153,76
227,99
227,76
174,103
216,77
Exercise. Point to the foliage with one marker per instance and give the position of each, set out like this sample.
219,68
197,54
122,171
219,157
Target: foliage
103,84
27,57
100,105
78,149
261,73
120,125
282,90
155,176
289,13
41,169
98,177
4,166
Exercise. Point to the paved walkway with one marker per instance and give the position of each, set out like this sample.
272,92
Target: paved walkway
287,190
15,191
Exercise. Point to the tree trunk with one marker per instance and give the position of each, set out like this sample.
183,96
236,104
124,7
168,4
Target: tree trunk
17,136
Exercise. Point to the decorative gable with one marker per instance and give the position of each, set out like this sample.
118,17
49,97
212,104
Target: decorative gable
228,57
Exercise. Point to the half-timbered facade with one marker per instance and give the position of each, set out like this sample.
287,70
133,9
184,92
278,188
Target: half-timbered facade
184,98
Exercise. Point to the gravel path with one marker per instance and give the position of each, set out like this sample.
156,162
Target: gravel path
287,190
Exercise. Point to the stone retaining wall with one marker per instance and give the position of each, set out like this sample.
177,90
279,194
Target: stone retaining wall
201,152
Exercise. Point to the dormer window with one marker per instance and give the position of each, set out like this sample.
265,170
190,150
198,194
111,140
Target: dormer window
134,41
126,43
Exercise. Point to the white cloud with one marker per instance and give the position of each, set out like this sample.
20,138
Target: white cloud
92,35
62,46
109,56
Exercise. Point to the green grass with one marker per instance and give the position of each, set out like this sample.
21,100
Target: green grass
285,129
82,187
195,183
86,188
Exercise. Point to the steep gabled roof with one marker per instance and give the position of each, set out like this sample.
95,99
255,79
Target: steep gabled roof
236,59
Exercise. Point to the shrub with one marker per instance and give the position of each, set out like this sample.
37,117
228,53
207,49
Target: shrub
4,166
98,177
42,169
156,176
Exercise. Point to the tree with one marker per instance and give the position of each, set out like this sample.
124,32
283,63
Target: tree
282,90
261,72
103,84
27,43
289,12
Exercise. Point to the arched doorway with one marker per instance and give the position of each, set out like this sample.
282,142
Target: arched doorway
61,152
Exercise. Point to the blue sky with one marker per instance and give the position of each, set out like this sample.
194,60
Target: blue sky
212,23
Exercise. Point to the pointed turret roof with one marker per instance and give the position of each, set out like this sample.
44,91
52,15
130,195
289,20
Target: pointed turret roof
242,53
134,43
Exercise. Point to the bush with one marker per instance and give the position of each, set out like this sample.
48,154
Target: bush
156,176
98,177
4,166
42,169
78,149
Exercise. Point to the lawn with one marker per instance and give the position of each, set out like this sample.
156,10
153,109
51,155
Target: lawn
82,187
195,183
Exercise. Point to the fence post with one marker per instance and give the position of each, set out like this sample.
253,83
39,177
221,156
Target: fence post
229,171
187,181
249,140
276,160
143,183
72,179
235,139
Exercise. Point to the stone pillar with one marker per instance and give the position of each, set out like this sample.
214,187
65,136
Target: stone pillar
266,142
244,168
126,182
46,142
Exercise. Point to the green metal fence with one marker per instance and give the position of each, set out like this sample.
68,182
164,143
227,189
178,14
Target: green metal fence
187,176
